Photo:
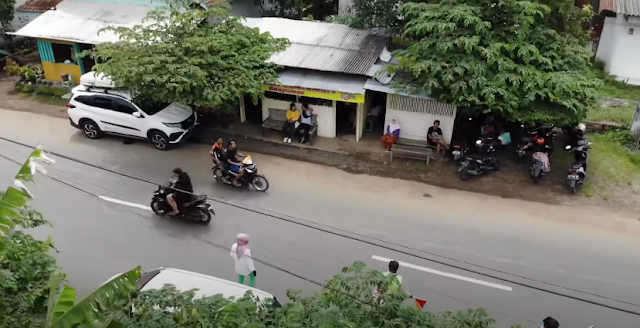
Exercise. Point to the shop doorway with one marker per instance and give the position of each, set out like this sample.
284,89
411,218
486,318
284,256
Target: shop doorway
374,123
346,119
253,111
87,61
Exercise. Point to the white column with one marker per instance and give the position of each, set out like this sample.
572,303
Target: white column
335,118
359,127
243,115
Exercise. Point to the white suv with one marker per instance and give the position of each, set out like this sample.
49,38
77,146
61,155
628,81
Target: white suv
97,108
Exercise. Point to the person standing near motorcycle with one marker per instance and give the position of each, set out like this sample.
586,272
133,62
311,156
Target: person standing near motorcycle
182,187
241,254
231,159
216,151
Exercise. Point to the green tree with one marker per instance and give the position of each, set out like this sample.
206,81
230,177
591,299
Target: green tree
501,57
7,9
26,266
378,13
348,302
179,57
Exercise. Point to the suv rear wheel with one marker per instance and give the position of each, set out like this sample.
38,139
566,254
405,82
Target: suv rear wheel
90,129
159,140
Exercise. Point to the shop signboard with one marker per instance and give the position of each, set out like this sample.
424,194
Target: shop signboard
316,93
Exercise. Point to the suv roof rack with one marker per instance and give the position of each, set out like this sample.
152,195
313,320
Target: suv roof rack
101,90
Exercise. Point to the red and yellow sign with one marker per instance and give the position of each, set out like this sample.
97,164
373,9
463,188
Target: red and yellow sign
316,93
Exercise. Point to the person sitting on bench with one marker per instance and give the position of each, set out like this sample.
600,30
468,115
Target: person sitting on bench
293,116
434,137
392,135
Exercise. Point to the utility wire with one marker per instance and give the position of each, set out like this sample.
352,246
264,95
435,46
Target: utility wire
222,247
360,238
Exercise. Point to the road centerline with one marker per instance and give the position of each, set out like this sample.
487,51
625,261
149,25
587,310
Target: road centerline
122,202
444,274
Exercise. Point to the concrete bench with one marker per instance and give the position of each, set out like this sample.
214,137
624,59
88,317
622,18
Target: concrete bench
413,149
276,120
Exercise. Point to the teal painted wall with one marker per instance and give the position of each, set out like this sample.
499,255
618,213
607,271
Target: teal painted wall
46,53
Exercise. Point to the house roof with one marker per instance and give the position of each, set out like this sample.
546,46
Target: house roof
323,80
37,6
79,21
324,46
623,7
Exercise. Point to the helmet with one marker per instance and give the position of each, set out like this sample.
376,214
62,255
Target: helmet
582,127
540,141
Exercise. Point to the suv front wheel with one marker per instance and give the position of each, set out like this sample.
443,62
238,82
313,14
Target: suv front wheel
159,140
90,129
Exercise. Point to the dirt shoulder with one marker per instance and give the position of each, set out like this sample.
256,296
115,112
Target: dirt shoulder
512,182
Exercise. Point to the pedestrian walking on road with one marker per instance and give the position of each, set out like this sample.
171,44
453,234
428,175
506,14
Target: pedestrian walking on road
241,254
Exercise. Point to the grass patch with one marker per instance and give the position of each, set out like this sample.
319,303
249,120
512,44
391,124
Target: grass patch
623,115
43,93
55,101
611,163
613,88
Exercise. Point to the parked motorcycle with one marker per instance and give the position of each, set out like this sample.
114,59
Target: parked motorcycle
250,177
526,141
196,209
476,164
578,171
541,163
459,151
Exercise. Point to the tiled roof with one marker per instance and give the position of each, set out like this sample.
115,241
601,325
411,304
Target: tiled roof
624,7
324,46
38,6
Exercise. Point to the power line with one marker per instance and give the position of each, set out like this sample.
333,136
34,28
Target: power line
360,238
222,247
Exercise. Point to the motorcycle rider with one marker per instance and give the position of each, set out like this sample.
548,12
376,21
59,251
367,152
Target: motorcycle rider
232,162
182,185
550,322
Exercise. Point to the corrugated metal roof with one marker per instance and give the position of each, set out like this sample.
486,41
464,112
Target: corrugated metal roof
374,85
324,46
323,80
624,7
38,6
78,21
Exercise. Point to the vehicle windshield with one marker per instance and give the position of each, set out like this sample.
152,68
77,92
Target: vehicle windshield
150,107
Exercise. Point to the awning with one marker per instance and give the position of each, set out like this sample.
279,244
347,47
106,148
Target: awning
374,85
323,80
323,85
79,21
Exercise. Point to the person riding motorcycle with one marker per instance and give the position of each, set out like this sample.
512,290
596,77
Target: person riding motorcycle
181,190
231,161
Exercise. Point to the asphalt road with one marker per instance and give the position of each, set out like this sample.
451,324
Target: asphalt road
579,250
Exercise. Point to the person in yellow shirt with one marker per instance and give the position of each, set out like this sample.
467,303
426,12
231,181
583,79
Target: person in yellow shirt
293,116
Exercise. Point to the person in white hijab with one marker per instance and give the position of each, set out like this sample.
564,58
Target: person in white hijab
391,135
241,254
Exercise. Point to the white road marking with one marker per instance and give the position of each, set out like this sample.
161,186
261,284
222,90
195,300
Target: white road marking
444,274
122,202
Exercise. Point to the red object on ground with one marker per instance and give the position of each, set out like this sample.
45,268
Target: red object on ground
420,303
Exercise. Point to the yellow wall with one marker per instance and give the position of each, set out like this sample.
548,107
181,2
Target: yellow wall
53,71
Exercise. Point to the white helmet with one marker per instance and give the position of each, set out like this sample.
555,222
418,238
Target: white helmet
582,127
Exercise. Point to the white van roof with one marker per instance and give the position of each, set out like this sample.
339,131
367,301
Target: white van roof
99,80
206,285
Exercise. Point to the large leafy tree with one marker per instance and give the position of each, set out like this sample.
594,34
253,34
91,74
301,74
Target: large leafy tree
199,57
348,302
498,56
7,10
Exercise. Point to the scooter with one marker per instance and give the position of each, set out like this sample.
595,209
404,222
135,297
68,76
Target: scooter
527,140
577,173
250,176
538,168
476,164
197,209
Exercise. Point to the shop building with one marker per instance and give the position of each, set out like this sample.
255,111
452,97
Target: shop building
74,26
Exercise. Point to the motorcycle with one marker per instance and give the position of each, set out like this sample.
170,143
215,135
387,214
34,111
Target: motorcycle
196,209
459,152
577,173
250,177
530,136
541,164
476,164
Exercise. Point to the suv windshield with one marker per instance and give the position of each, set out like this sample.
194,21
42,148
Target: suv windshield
150,107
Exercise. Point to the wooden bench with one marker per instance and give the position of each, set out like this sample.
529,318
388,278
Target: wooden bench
413,149
276,120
